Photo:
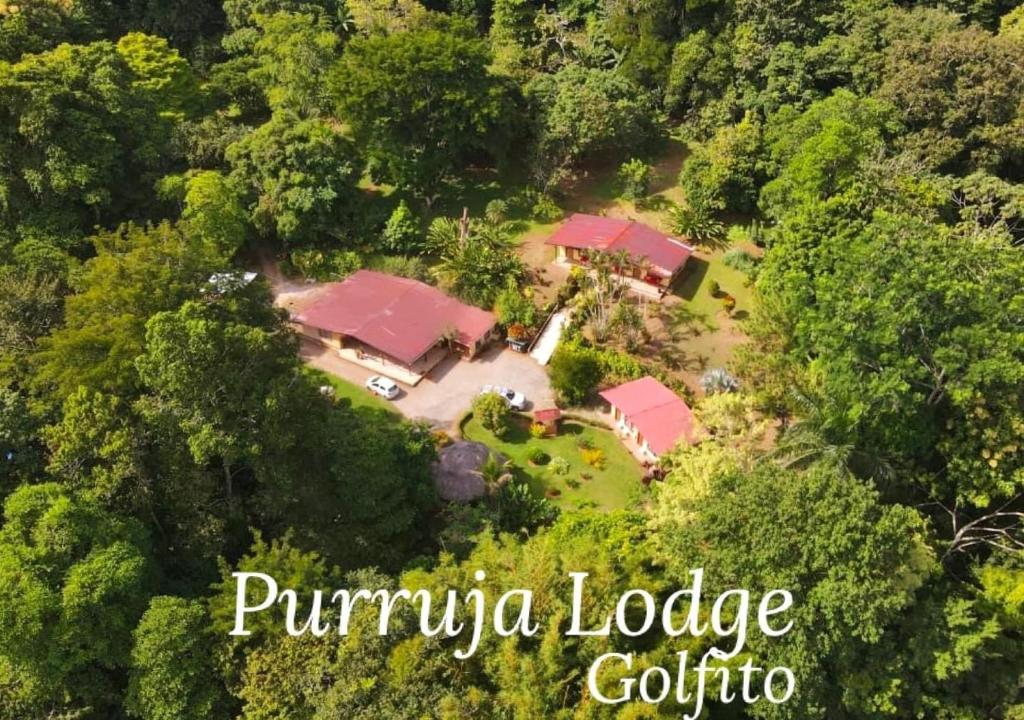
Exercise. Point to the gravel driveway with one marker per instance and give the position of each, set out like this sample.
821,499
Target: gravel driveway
448,391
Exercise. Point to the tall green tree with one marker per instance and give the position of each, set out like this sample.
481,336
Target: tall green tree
961,96
137,272
211,375
293,54
865,582
297,178
172,669
81,137
422,103
213,212
75,581
476,259
581,114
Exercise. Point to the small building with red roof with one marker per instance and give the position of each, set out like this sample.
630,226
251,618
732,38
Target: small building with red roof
393,324
549,418
655,259
653,417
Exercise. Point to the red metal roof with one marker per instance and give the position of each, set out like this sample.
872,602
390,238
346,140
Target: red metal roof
547,415
585,232
660,415
398,316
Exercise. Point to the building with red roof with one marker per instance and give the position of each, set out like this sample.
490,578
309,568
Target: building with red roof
651,415
656,259
384,320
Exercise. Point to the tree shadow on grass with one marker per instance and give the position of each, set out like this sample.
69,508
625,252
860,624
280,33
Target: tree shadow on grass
692,278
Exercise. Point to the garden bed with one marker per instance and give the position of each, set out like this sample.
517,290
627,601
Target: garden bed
610,487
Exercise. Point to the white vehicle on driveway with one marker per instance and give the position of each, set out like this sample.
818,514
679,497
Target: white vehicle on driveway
385,387
515,400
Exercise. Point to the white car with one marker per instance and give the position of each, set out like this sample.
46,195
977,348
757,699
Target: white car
385,387
515,400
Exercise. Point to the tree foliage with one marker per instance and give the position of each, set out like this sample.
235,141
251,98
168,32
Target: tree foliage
421,103
297,177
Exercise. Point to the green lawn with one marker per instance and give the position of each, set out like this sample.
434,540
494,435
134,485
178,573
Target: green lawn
696,280
360,397
609,488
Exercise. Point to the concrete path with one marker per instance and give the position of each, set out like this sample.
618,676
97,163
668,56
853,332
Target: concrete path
548,341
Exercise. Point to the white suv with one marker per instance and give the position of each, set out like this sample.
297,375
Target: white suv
515,400
385,387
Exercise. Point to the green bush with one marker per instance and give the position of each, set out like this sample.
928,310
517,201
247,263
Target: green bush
574,372
545,210
325,265
634,179
584,443
560,466
696,223
497,211
409,267
512,306
741,260
538,430
493,412
536,455
402,233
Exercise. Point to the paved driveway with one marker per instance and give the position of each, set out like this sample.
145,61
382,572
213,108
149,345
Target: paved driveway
448,391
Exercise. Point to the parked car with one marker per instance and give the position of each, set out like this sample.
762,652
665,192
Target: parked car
515,400
385,387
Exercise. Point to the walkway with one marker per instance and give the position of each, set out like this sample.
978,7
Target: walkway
548,341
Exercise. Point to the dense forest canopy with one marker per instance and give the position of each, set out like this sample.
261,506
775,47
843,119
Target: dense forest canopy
158,431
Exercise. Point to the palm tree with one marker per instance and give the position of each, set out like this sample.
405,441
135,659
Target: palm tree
495,472
813,439
697,224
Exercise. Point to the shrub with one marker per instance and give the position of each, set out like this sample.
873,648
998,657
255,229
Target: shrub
560,466
594,457
538,430
518,331
325,265
634,179
409,267
584,443
536,455
723,173
714,289
697,224
516,509
741,260
493,412
402,233
496,211
718,380
513,305
574,372
573,483
729,303
441,439
552,492
545,210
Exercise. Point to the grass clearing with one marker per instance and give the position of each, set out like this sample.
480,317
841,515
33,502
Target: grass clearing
360,397
609,488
